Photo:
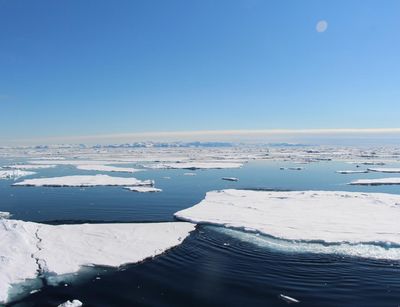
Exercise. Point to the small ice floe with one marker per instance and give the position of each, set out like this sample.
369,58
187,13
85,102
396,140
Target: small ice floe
84,181
385,170
292,168
143,189
107,168
288,299
4,215
14,173
230,178
377,181
196,165
352,172
189,174
74,303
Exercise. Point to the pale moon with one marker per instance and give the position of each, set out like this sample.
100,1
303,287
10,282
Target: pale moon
321,26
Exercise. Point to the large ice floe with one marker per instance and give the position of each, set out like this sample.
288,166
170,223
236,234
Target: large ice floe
376,181
14,173
30,250
84,181
304,216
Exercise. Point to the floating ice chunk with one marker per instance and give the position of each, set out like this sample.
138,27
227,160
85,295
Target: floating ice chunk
143,189
29,249
377,181
196,165
332,217
84,181
352,172
288,299
74,303
385,170
107,168
189,174
14,174
4,215
292,168
230,178
29,166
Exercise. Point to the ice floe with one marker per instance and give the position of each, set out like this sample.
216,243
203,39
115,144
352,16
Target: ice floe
230,178
29,250
14,173
143,189
195,165
352,172
377,181
74,303
385,170
29,166
84,181
323,216
106,168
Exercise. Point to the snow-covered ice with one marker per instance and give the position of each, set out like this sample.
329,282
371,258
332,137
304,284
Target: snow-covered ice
14,173
332,217
385,170
31,249
143,189
377,181
106,168
84,181
74,303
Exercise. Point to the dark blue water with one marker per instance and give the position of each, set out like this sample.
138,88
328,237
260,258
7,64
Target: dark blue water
211,268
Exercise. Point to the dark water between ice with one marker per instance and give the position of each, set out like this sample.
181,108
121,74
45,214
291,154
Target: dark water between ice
212,267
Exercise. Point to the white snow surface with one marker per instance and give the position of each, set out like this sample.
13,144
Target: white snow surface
14,174
385,170
332,217
143,189
29,249
84,181
377,181
74,303
107,168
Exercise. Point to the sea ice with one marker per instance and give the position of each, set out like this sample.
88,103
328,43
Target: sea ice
14,174
74,303
377,181
143,189
84,181
385,170
106,168
352,172
31,249
332,217
29,166
196,165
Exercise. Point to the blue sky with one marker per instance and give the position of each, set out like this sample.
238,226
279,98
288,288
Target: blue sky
91,67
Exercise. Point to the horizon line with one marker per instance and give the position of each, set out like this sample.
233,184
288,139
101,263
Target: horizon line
204,134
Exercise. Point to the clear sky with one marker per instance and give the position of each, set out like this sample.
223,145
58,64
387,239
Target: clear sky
83,67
